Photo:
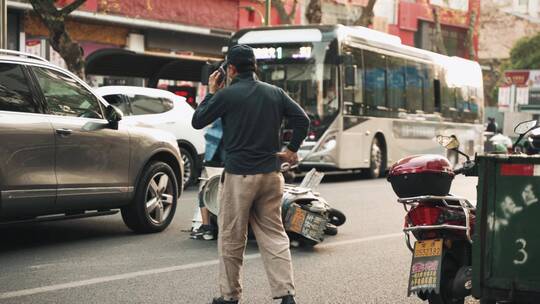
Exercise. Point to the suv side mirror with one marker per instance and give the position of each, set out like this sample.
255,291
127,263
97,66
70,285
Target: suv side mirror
113,114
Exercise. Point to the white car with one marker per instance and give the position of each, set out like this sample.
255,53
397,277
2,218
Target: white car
163,110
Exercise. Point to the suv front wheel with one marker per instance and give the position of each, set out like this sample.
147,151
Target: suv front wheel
156,196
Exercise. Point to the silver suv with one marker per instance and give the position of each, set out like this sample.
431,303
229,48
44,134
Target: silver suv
65,154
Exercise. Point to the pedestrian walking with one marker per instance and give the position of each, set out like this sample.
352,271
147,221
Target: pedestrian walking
492,125
252,186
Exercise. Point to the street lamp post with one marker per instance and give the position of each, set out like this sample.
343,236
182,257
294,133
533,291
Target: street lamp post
268,12
3,24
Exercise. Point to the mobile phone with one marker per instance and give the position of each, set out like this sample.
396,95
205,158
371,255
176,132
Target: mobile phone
222,73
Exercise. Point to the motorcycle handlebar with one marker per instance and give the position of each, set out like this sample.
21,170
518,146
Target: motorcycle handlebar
468,165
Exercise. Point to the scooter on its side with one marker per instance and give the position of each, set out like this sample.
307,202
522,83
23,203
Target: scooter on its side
307,217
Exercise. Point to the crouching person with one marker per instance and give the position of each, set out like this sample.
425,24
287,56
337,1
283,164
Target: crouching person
213,161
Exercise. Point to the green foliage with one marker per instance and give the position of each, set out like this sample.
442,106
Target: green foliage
526,53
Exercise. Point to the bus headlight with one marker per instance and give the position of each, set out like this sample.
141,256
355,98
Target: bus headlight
329,144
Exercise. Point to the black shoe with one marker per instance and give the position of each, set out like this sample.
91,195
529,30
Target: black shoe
205,232
220,300
288,300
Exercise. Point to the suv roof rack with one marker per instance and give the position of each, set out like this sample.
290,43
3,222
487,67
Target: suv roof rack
22,54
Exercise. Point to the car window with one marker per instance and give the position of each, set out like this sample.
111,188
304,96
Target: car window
118,101
65,96
142,104
15,95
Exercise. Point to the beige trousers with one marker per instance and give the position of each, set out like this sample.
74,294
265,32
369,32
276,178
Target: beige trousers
253,199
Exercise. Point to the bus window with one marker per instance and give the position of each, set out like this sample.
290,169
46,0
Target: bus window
396,84
437,94
427,75
414,87
375,80
330,102
353,97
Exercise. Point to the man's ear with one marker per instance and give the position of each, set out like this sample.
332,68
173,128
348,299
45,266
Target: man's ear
232,69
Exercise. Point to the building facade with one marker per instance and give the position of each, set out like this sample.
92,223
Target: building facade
143,39
415,24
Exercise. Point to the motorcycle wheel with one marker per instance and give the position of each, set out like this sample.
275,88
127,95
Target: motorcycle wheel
449,270
336,217
330,229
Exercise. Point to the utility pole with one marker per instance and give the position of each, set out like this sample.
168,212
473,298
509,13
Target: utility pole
3,24
268,12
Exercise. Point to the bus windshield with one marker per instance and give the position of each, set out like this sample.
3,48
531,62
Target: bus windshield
304,73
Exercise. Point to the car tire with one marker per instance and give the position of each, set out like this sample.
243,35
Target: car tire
156,197
190,168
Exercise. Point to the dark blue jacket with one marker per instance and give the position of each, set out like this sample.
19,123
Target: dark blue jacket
252,113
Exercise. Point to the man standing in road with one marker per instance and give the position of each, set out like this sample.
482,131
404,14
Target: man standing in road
252,186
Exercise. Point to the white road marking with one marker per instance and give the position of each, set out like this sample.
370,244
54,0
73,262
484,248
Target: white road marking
361,240
131,275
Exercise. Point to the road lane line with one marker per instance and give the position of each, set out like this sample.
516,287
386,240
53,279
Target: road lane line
131,275
361,240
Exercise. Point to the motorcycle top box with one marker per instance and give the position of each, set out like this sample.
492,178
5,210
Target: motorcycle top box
417,175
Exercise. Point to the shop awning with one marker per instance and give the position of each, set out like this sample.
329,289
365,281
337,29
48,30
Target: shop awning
150,65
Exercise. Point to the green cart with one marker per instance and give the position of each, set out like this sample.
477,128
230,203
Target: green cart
506,247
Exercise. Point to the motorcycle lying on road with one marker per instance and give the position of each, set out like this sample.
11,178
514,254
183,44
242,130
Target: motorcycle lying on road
307,217
442,224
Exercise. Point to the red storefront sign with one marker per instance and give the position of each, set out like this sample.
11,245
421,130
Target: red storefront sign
518,78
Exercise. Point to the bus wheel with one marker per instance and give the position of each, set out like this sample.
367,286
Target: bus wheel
376,159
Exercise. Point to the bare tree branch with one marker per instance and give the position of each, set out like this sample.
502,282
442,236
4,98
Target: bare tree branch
366,19
286,18
438,38
470,36
59,38
71,7
314,12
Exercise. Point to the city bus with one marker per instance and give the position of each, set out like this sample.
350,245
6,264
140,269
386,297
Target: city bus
371,99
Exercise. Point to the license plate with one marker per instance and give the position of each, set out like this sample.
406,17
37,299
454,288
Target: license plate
305,223
426,266
428,248
297,220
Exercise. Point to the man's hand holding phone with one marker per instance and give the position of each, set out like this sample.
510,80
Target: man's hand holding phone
216,81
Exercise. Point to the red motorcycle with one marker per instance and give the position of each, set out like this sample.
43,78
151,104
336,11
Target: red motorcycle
442,225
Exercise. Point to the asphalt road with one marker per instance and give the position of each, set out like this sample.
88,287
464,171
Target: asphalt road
99,260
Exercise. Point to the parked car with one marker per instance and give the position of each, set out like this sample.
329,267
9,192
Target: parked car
65,153
163,110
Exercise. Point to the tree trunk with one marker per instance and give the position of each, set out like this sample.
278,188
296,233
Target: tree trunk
314,12
366,19
54,19
437,37
470,36
284,17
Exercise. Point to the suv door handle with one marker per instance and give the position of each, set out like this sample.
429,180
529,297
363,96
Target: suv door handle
64,131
